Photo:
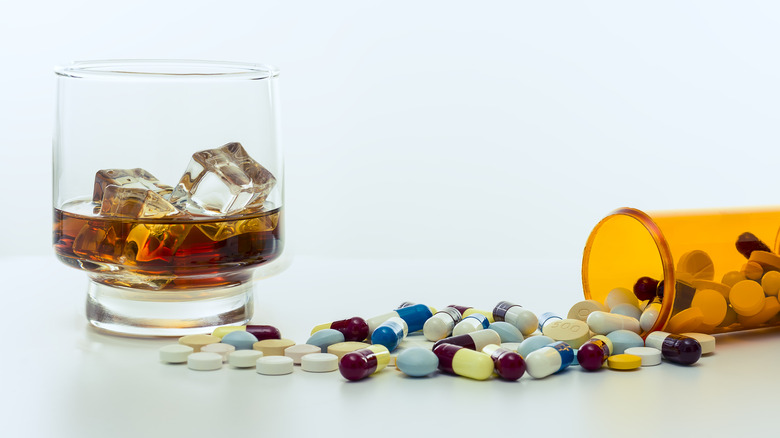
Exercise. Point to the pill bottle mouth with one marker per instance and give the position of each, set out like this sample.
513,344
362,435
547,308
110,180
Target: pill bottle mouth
161,69
623,247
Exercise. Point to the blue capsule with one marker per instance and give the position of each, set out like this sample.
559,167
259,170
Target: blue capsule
390,333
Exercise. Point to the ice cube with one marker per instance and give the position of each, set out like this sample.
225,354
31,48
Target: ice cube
223,181
219,231
121,201
99,241
128,178
149,242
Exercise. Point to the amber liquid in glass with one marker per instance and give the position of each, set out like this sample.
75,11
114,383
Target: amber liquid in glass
168,254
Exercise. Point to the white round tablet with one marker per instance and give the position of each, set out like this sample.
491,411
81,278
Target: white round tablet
320,362
274,365
219,348
707,341
650,356
244,358
296,352
175,353
204,361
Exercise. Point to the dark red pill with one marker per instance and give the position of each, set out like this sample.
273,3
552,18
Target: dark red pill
645,288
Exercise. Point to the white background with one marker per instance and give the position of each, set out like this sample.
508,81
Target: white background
487,138
441,129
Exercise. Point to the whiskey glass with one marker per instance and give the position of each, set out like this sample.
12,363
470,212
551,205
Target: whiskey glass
168,189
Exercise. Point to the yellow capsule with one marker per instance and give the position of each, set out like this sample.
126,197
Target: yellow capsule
220,332
488,315
455,359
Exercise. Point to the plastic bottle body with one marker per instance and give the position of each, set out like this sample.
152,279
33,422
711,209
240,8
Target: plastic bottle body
704,254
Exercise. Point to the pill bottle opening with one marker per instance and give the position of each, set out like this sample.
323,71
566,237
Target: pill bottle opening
623,247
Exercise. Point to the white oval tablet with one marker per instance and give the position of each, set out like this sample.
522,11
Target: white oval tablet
244,358
175,353
603,323
650,356
204,361
320,362
274,365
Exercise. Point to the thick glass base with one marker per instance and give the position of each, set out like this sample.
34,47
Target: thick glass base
132,312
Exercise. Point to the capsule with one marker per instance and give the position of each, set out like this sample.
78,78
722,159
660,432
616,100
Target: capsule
548,317
415,316
441,324
525,320
471,323
454,359
261,332
592,354
362,363
646,288
649,316
461,309
602,323
549,359
676,348
485,313
473,341
354,329
390,333
508,364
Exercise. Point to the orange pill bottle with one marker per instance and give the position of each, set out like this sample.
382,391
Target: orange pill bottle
722,264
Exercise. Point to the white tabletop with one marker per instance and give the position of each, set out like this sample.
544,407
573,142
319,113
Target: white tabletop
62,378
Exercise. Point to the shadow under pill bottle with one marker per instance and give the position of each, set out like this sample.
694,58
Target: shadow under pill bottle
723,265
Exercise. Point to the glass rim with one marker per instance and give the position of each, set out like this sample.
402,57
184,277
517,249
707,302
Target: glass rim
177,69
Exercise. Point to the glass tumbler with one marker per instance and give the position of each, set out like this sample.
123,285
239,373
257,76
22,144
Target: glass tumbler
168,189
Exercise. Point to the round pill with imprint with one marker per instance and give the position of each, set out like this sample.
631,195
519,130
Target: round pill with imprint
697,264
572,331
582,309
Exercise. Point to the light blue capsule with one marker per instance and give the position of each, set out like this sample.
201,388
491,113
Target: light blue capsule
417,362
240,339
507,331
326,338
622,339
533,343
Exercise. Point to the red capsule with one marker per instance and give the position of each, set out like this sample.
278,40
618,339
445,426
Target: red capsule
592,354
353,329
360,364
262,332
508,364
